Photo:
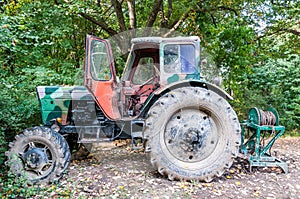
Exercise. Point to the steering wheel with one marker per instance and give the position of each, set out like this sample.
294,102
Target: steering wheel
156,74
146,82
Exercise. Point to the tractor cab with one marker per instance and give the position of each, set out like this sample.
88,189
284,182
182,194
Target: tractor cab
153,64
141,77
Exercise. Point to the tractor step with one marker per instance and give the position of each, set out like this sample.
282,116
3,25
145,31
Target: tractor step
137,141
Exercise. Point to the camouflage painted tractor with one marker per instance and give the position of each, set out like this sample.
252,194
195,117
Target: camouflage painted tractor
187,126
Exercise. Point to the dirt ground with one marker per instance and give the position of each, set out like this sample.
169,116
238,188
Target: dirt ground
120,172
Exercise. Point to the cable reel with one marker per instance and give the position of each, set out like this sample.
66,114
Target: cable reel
257,124
263,118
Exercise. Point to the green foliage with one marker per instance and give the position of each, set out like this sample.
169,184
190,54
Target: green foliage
36,49
16,187
3,146
253,45
40,44
12,186
275,84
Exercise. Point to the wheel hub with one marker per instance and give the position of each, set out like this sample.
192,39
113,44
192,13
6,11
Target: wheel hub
192,140
191,135
35,159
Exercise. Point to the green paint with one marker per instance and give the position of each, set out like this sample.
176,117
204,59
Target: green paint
255,147
173,78
195,76
55,100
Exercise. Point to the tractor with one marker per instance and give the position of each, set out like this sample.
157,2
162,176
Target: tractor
185,124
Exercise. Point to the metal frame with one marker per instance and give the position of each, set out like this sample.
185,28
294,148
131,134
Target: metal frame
261,157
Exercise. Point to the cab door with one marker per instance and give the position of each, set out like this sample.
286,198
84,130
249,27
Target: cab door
100,76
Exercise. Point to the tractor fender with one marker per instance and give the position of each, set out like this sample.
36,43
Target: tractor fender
194,83
187,83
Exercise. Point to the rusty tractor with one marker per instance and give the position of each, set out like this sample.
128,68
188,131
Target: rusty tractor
186,124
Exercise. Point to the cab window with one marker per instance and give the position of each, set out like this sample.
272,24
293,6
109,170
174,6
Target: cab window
100,67
144,71
179,58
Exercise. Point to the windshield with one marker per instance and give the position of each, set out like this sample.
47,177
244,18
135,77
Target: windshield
144,71
128,68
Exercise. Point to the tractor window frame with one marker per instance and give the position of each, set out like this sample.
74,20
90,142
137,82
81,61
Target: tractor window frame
100,69
179,58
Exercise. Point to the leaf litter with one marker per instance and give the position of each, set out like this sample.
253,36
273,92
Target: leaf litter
115,171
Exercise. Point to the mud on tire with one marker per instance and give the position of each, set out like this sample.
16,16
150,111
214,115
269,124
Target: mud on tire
39,154
192,134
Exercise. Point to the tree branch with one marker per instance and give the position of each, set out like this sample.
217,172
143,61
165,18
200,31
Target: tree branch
166,18
295,32
177,24
101,23
154,12
213,20
170,9
281,31
132,16
118,8
229,9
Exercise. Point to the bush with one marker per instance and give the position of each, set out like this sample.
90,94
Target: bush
275,84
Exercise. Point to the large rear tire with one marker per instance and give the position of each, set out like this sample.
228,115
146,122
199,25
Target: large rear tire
39,154
192,134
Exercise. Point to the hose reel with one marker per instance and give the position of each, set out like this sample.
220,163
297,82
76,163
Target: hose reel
258,123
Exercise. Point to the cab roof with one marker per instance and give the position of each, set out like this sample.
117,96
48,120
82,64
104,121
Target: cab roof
161,39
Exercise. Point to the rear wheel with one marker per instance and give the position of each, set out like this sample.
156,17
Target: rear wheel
192,134
39,154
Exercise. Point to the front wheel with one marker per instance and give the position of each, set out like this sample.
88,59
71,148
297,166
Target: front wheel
39,154
192,134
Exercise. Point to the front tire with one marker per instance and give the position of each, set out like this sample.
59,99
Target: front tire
39,154
192,134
